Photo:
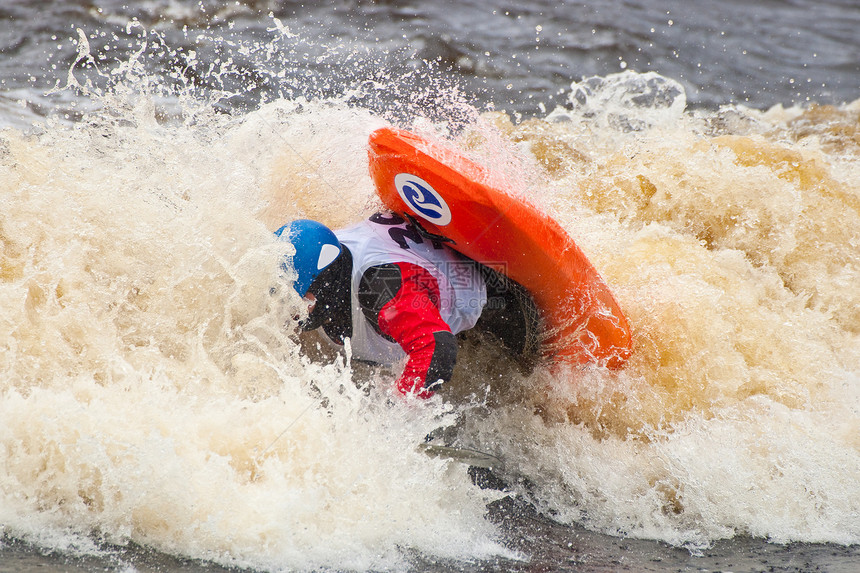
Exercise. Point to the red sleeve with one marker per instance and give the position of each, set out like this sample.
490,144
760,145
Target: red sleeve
412,319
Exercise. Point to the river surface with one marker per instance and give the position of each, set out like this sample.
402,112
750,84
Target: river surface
158,411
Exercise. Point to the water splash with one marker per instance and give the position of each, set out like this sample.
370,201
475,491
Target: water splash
734,254
150,370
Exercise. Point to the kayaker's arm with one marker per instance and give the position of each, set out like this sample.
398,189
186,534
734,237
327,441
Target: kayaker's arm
401,300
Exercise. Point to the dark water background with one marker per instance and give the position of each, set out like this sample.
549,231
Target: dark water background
515,56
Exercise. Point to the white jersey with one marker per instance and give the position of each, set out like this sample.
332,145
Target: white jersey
387,238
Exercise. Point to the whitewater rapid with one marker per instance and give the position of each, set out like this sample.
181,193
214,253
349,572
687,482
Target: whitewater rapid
153,388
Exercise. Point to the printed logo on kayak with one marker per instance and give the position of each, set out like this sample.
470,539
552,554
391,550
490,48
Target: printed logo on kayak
422,199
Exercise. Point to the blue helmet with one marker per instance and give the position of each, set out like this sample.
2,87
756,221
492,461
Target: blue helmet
316,248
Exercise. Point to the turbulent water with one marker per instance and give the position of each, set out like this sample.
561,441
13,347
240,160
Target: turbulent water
153,389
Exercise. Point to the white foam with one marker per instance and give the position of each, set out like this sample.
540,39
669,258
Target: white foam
153,390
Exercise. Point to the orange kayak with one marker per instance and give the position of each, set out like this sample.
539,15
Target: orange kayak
444,191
